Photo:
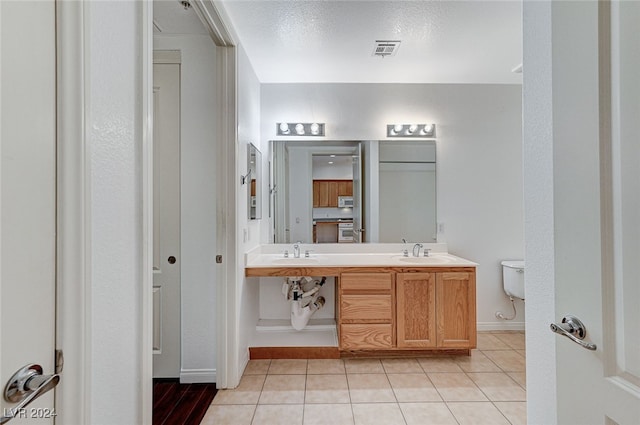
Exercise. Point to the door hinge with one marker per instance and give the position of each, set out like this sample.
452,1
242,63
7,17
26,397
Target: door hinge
219,259
59,361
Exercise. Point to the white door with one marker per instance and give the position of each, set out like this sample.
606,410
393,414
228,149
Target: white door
596,185
28,202
166,217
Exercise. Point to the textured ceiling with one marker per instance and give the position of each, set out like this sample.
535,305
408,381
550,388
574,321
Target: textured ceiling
170,17
332,41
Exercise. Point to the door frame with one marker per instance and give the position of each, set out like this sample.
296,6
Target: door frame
73,276
215,20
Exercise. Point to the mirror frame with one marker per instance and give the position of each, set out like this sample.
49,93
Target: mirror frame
254,188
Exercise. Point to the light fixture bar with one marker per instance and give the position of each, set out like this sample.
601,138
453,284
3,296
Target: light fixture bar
411,130
300,129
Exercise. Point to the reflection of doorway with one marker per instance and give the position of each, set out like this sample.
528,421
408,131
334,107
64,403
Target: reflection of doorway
332,206
293,188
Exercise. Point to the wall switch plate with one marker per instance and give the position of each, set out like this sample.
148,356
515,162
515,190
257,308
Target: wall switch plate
440,227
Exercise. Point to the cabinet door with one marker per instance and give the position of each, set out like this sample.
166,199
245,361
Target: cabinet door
345,188
456,310
323,193
316,194
416,317
333,193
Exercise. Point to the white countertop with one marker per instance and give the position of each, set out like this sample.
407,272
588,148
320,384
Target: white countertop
352,255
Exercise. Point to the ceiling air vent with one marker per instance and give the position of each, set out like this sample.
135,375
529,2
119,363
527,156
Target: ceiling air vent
386,47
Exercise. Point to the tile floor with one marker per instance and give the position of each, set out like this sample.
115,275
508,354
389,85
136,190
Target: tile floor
486,388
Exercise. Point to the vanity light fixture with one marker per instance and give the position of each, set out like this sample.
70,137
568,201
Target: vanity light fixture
411,130
299,129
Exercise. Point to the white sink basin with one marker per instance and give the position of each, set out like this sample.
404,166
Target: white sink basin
426,260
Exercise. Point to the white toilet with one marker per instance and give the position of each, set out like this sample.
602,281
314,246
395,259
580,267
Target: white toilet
513,278
513,284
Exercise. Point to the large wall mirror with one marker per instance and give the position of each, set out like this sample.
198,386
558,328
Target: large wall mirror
353,191
254,164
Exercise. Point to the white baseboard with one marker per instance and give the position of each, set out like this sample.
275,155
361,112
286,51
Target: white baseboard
500,326
244,361
198,376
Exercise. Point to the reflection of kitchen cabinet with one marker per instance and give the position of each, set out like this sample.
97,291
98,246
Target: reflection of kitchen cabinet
345,188
326,192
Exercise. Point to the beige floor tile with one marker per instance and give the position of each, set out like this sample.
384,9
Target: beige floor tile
439,364
257,367
328,389
523,353
477,362
229,415
247,392
477,414
401,366
514,340
328,414
427,414
487,341
520,378
377,414
325,366
507,360
363,366
288,367
413,387
278,414
498,386
283,389
370,388
516,412
456,387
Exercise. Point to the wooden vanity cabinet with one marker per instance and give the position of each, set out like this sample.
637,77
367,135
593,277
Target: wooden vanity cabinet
411,311
416,316
436,310
366,310
456,309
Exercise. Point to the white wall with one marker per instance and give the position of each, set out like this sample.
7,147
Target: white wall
114,145
479,160
254,232
197,203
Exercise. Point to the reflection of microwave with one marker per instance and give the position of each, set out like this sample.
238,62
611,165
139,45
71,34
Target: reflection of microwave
345,201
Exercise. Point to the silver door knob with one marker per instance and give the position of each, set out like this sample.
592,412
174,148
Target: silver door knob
572,328
26,385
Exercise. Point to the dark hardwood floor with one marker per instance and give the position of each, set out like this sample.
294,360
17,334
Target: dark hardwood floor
180,404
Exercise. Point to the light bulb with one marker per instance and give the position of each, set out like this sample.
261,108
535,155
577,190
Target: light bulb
284,128
300,129
397,128
427,130
315,128
412,129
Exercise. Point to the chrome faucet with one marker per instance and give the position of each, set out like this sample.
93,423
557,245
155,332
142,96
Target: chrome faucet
416,249
296,251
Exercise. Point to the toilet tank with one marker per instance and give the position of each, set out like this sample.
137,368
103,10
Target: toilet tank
513,278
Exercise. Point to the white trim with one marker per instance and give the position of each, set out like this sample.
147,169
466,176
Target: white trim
73,398
197,376
146,126
167,56
497,326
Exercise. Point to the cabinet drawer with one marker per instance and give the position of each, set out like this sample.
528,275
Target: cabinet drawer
366,307
364,336
366,282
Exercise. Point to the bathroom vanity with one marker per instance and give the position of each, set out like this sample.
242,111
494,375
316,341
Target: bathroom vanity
386,303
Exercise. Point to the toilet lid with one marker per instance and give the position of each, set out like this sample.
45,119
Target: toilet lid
514,264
